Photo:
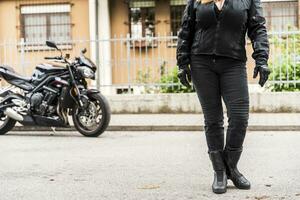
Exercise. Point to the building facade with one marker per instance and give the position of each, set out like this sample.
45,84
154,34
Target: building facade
146,18
25,25
133,41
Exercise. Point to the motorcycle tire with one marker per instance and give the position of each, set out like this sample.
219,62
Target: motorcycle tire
7,126
106,113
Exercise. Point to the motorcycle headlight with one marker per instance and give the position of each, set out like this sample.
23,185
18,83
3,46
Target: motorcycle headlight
87,72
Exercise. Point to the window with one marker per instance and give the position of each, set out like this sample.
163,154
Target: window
281,16
42,22
176,11
142,18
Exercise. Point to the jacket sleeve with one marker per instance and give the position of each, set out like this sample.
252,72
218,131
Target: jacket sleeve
185,35
257,33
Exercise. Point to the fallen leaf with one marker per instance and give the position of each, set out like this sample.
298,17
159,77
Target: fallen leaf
268,185
149,187
261,197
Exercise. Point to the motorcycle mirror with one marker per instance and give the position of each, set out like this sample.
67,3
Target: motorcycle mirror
83,51
51,44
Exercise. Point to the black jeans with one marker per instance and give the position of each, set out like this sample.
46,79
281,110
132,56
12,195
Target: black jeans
216,77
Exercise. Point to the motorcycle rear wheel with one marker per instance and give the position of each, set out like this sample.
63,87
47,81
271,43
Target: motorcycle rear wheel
7,125
97,101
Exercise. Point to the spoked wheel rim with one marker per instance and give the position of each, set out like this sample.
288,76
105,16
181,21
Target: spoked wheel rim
91,118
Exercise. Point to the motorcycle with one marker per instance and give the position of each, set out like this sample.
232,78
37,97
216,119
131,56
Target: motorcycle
52,94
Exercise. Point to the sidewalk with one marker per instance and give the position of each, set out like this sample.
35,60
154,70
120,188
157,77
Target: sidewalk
190,122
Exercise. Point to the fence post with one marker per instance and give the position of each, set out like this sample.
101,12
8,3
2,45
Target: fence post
97,49
128,62
5,52
22,55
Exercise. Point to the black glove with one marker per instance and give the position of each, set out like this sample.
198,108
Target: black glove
184,75
264,72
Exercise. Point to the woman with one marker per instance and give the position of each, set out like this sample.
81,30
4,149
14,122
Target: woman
211,52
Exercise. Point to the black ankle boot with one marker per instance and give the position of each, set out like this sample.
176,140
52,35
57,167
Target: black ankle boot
219,185
231,158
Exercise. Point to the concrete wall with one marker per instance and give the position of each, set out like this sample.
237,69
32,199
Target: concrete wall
188,103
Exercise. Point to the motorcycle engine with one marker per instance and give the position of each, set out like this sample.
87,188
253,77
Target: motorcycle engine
36,100
42,102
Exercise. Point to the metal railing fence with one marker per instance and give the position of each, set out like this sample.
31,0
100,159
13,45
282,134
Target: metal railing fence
147,64
285,58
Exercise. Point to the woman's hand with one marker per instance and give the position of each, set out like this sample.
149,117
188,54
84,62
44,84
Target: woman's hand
184,75
264,72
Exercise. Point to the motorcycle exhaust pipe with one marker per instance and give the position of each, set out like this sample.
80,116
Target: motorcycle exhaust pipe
13,114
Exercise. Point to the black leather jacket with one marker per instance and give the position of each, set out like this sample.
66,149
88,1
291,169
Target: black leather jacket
203,33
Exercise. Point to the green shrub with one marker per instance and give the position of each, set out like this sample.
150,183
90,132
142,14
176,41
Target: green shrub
289,71
167,83
285,66
145,78
171,84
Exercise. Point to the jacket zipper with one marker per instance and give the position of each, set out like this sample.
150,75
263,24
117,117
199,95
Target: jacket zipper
216,36
218,25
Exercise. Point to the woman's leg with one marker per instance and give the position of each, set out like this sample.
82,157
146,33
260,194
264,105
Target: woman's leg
234,89
207,85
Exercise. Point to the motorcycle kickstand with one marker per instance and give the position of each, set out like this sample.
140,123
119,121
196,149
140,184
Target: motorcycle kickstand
54,131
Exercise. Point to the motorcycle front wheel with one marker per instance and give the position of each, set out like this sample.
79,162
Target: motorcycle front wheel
92,121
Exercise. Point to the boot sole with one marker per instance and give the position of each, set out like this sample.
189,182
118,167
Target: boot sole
238,186
219,191
242,187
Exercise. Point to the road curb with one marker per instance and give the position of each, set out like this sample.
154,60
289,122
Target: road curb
161,128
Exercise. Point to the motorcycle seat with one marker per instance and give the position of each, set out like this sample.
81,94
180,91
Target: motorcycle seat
12,74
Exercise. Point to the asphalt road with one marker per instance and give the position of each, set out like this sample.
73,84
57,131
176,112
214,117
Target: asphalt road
141,165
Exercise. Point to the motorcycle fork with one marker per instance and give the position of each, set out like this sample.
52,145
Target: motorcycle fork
75,87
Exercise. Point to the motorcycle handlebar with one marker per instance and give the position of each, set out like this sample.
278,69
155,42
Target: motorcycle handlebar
53,58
